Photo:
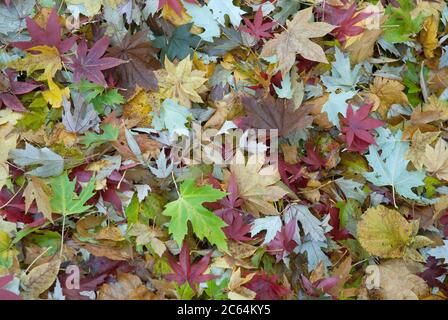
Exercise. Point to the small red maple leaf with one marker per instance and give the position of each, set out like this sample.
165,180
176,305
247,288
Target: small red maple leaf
344,19
89,63
6,294
319,287
313,158
356,128
50,36
336,232
184,271
283,242
257,28
266,287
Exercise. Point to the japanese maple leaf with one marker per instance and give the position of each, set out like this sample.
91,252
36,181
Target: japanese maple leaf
184,271
337,233
283,242
267,287
237,228
258,29
344,20
313,158
174,4
434,268
6,294
89,63
50,36
10,88
291,175
356,128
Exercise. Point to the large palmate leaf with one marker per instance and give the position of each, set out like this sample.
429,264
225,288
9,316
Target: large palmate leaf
188,208
140,59
392,171
65,201
281,114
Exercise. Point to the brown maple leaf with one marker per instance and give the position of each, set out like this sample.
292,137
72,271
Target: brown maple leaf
142,60
269,113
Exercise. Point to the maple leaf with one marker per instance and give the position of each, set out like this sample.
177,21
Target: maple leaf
319,287
64,199
313,159
436,159
356,128
296,40
392,171
345,20
266,287
89,63
257,28
237,229
50,36
256,184
389,92
417,149
185,271
141,61
46,58
37,190
283,243
179,45
188,207
269,113
181,83
83,117
10,88
386,233
400,24
434,269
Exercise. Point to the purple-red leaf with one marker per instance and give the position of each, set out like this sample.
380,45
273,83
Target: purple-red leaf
184,271
50,36
283,242
257,28
89,63
356,127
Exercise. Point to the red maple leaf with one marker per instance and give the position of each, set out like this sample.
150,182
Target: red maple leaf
266,287
283,242
434,269
184,271
89,63
319,287
50,36
291,175
313,158
10,88
356,128
258,29
344,19
174,4
6,294
336,232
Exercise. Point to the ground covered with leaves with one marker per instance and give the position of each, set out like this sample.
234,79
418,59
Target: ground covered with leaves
100,197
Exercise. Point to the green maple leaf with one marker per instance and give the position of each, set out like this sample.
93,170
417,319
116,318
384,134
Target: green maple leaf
189,208
65,201
400,25
179,45
109,134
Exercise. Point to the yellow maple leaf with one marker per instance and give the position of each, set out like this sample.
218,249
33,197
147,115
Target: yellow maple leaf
417,149
138,107
181,83
436,159
256,183
48,60
54,94
438,105
37,190
386,233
